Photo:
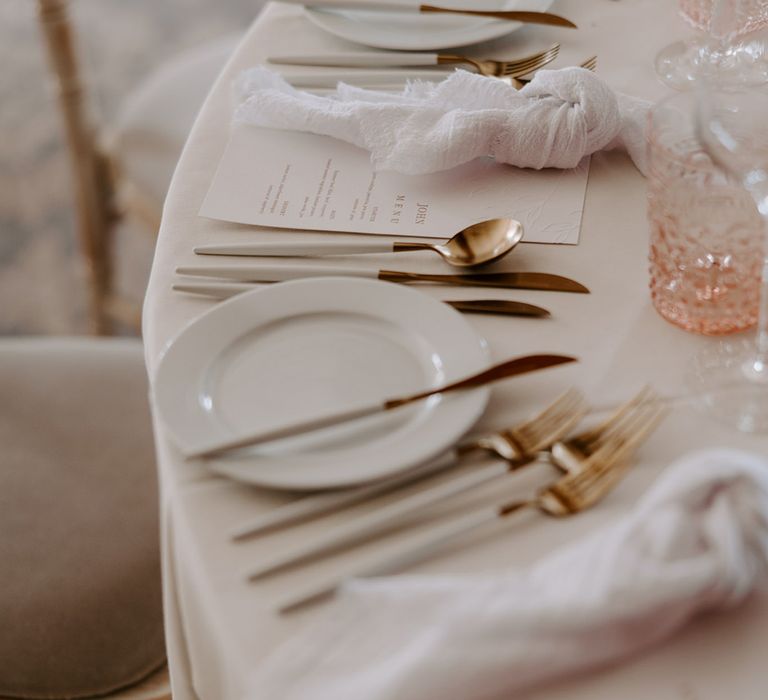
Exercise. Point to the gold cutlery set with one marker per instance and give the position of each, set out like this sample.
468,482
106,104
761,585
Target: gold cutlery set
359,64
472,247
403,59
508,71
591,463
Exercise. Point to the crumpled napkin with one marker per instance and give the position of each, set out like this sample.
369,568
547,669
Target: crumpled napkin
697,540
553,122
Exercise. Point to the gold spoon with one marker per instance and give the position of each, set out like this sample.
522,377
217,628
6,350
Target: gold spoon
478,244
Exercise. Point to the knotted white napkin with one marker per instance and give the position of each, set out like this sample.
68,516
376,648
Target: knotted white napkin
553,122
698,540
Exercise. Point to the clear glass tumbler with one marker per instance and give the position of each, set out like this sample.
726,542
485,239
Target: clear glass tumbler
722,50
705,238
745,15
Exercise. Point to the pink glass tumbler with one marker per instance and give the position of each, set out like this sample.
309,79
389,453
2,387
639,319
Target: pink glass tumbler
705,237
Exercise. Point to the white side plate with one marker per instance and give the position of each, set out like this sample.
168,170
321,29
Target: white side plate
409,31
301,349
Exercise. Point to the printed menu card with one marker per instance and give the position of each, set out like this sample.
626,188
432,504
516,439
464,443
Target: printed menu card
303,181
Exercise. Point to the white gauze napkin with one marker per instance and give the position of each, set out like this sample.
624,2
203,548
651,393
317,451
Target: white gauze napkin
697,540
553,122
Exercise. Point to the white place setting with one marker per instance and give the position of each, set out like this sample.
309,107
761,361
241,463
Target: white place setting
421,431
402,29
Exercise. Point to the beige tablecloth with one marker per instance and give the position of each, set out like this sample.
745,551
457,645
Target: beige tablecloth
219,626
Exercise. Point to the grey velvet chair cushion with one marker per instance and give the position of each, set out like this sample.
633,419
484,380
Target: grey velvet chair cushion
80,599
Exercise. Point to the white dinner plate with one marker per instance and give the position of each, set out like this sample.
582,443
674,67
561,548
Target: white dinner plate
302,349
411,31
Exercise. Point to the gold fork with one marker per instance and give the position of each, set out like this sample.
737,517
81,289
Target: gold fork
518,445
589,64
497,69
568,455
522,443
571,494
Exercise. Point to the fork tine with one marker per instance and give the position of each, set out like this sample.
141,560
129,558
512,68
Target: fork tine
548,54
533,63
555,425
622,443
624,424
601,470
590,435
545,425
542,422
533,57
589,64
548,426
573,454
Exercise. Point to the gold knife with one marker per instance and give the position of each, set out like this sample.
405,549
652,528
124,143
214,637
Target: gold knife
225,290
510,368
512,15
543,281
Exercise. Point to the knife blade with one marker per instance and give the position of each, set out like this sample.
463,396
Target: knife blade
499,306
225,290
504,370
542,281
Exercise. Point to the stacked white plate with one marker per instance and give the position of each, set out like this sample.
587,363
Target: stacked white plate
304,349
409,31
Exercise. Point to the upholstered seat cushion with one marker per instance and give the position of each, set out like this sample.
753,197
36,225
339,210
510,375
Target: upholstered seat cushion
80,599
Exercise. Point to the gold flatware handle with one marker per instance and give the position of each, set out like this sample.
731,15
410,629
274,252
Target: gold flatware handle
510,368
513,15
542,281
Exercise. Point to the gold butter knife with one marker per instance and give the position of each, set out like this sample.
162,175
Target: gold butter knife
499,306
542,281
510,368
225,290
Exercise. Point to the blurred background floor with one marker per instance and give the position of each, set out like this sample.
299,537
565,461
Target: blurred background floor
42,288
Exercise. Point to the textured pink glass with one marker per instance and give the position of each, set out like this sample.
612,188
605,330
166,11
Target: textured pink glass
750,14
705,240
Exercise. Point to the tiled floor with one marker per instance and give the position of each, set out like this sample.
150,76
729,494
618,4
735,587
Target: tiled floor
41,290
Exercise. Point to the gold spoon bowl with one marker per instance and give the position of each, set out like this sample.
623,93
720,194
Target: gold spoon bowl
475,245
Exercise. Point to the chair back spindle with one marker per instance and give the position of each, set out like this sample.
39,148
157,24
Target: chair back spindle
92,183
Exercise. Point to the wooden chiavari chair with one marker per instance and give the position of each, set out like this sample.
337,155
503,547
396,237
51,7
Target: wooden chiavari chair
123,170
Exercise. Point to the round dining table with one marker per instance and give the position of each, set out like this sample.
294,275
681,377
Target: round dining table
220,626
